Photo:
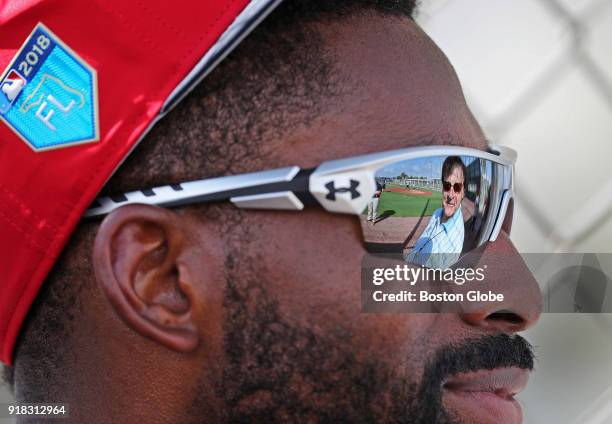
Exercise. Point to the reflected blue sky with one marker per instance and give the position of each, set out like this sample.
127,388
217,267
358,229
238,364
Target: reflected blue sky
423,167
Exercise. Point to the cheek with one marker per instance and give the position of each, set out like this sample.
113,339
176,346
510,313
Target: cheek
312,263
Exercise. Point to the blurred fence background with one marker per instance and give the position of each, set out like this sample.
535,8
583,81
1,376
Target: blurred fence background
538,76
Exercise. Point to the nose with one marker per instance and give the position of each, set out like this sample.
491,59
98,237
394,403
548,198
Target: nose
507,274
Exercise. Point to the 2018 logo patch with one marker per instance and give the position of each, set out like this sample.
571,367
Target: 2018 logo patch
49,95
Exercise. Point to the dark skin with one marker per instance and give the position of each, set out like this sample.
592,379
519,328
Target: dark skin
150,343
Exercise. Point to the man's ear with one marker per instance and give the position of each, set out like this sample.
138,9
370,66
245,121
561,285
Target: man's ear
139,263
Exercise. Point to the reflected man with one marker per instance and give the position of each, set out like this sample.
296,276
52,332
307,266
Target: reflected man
373,204
441,243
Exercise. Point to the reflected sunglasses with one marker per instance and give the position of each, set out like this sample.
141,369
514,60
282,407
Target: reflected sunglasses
396,220
448,185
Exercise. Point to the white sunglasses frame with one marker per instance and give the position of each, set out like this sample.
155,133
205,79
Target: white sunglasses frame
292,188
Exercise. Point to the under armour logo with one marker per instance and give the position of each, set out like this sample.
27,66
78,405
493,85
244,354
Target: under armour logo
330,186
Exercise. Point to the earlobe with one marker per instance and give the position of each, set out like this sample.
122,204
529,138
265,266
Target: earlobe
138,261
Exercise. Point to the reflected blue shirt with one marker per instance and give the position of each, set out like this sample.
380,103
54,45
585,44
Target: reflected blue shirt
441,243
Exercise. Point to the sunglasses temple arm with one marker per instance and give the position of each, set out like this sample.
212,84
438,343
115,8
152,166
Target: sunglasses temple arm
289,195
252,190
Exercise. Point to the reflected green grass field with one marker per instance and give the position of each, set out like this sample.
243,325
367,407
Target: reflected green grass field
408,205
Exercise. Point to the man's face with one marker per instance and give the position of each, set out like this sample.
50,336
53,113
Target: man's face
451,200
296,345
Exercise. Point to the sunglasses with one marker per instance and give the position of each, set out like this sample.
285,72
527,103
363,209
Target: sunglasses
448,185
397,196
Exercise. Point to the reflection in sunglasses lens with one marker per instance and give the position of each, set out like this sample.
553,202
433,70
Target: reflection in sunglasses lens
456,187
418,213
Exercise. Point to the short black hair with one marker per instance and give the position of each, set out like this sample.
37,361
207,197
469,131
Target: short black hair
451,163
279,72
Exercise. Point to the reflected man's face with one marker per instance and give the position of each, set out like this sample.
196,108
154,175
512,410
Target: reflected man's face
451,200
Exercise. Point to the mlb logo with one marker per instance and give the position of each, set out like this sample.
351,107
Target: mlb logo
10,88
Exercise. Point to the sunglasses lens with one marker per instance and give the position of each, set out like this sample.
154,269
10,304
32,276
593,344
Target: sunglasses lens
432,210
456,187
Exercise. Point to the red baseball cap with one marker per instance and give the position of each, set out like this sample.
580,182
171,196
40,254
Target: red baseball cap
82,82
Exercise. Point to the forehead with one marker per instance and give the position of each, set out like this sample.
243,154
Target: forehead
397,89
456,172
